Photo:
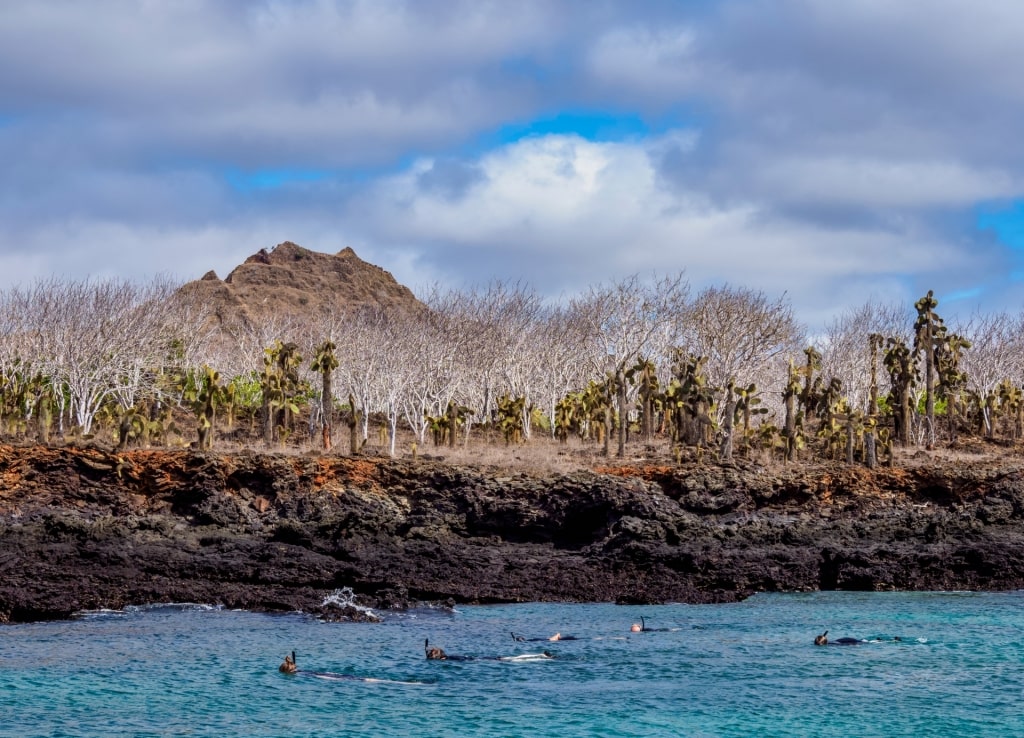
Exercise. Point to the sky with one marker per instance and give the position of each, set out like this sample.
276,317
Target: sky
832,152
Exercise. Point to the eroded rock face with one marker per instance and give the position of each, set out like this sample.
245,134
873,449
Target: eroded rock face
84,529
294,282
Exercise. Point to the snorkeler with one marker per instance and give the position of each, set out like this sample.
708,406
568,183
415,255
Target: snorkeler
641,627
434,653
822,640
438,654
288,667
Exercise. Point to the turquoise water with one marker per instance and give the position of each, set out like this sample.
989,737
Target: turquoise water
746,669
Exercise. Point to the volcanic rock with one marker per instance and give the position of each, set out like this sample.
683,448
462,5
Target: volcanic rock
86,529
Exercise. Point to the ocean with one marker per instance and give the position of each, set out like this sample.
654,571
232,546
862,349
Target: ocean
744,669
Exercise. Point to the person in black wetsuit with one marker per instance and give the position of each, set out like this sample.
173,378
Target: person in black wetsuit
555,637
641,627
438,654
822,640
433,653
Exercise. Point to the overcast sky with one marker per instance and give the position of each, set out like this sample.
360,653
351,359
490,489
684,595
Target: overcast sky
832,151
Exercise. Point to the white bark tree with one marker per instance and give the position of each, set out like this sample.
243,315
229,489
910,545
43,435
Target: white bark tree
100,338
741,332
846,350
996,353
625,321
562,366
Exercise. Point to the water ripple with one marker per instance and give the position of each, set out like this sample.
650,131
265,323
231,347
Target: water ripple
728,670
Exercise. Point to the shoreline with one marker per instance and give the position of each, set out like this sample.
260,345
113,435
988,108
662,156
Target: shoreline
86,529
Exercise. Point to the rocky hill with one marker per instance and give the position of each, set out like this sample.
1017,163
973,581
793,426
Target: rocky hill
289,281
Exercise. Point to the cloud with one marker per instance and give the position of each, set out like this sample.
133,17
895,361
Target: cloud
867,182
267,83
645,62
826,150
449,178
567,212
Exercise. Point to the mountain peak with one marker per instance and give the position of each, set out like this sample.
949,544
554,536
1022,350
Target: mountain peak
290,280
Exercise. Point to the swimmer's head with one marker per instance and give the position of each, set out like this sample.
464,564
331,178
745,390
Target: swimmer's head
433,653
288,667
635,628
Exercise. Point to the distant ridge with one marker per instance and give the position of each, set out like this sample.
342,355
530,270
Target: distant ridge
291,281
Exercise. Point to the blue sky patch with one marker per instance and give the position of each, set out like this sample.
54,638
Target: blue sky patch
593,125
1007,223
966,294
269,179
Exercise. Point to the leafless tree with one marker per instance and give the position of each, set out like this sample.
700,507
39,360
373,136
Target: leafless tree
561,360
740,331
448,338
249,343
396,362
191,329
846,349
23,349
996,353
492,335
746,337
625,321
101,337
515,325
362,348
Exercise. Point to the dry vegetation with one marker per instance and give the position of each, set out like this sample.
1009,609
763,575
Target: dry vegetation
634,372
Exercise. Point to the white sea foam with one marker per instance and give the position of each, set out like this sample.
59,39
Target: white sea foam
527,657
345,597
155,607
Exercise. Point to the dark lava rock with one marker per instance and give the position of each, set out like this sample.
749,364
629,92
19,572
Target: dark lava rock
84,529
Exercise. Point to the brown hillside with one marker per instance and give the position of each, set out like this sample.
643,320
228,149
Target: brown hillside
291,281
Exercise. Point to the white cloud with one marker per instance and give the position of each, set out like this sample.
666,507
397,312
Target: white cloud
826,149
652,61
564,213
869,182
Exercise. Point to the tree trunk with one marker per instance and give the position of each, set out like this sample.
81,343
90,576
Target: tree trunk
453,421
44,420
327,410
607,429
620,391
353,427
929,387
268,423
790,427
903,416
392,432
725,451
647,404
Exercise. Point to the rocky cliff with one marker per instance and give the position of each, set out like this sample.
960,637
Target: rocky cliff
84,529
289,281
